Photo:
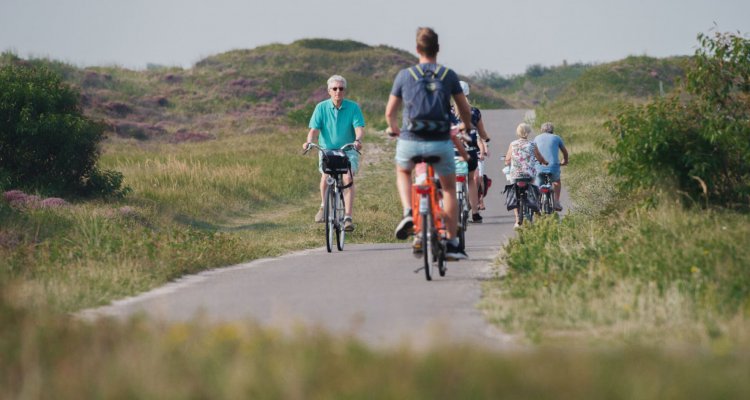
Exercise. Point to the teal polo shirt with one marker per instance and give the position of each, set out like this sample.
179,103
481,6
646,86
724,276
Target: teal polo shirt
336,126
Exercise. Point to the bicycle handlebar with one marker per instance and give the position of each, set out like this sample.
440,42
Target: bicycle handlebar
343,148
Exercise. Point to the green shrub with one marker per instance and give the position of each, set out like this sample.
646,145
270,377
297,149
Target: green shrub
697,138
46,143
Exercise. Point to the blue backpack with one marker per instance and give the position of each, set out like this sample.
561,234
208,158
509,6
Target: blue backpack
428,111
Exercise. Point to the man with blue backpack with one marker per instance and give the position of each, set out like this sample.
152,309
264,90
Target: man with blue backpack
425,91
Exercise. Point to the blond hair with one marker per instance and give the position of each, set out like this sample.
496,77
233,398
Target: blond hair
523,130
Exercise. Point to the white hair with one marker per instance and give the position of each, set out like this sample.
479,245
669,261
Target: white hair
334,79
547,127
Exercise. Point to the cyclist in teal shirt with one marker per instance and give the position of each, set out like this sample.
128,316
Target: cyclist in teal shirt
334,123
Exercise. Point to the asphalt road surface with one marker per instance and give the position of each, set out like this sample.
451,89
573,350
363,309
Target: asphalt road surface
368,291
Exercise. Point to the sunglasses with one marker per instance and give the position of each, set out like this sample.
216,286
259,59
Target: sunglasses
335,89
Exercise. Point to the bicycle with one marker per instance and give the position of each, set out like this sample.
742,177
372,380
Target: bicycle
462,193
522,187
427,214
547,205
335,165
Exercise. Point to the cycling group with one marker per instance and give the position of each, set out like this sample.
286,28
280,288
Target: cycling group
432,131
537,161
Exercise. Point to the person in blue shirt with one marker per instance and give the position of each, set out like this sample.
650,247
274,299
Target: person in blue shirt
550,146
334,123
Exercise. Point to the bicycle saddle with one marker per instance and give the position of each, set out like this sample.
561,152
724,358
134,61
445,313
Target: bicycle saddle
428,159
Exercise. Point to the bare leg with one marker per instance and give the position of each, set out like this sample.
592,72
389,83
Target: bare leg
348,196
323,187
473,192
557,186
450,204
403,183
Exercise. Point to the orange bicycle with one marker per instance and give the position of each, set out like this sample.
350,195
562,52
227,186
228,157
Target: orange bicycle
429,224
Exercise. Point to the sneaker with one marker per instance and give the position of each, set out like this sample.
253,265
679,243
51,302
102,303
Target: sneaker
405,228
476,218
348,224
319,216
454,253
416,247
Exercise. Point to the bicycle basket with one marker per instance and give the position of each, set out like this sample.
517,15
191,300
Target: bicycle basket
335,162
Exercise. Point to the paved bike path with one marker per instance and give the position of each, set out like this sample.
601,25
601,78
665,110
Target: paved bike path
369,291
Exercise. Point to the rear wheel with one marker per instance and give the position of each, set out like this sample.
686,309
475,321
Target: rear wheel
461,238
528,214
547,203
441,257
462,223
521,206
340,232
466,210
330,216
427,249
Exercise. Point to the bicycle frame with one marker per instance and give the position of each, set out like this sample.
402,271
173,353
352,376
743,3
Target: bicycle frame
428,223
547,191
334,203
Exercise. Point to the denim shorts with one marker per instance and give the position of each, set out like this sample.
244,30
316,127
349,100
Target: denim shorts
353,161
406,149
555,177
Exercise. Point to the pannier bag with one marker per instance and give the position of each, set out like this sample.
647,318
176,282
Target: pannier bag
335,162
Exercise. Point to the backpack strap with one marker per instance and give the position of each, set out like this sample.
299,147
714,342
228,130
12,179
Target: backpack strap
440,72
414,74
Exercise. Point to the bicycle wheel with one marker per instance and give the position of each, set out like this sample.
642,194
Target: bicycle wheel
462,224
330,216
441,258
521,206
528,214
466,210
427,249
340,232
546,207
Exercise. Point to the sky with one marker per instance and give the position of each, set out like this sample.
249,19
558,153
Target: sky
500,36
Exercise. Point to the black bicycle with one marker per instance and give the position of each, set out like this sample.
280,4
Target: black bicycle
546,201
524,194
335,164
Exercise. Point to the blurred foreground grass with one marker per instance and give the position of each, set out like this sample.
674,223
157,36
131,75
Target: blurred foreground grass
56,357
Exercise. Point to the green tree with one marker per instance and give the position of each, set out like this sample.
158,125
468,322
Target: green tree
698,138
46,143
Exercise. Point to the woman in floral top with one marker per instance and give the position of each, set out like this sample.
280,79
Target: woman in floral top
522,157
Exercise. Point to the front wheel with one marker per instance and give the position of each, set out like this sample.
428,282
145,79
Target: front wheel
340,232
330,216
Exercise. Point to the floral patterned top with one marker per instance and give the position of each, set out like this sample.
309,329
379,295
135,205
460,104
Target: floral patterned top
522,160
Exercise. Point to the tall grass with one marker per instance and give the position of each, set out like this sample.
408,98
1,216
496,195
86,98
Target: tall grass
618,269
661,275
193,207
